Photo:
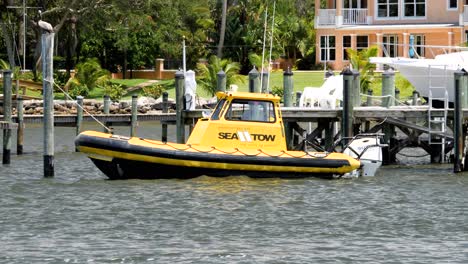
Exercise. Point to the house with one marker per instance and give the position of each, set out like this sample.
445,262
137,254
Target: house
392,25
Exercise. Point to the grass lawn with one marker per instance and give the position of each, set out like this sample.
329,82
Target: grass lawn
301,79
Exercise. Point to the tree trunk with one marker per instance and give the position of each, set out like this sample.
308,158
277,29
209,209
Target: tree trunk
223,30
6,37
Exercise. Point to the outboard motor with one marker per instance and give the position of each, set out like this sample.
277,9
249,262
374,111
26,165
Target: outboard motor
368,150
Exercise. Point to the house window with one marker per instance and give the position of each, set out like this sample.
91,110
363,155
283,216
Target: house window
346,46
452,4
327,48
390,45
362,42
418,45
415,8
387,8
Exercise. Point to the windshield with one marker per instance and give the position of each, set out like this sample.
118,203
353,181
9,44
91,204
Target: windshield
251,110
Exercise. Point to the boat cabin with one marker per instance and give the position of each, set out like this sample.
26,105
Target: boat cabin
242,120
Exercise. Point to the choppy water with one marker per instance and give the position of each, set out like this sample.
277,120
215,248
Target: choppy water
407,214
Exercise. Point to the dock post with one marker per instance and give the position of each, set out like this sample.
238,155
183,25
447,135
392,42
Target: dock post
106,110
388,88
415,98
288,87
459,135
79,113
397,96
165,109
180,106
347,113
20,131
356,89
254,81
265,76
369,97
48,94
134,119
221,84
288,102
298,98
7,91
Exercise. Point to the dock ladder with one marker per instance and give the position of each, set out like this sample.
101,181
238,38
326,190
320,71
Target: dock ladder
437,116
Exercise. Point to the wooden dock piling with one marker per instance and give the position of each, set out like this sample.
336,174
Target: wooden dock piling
7,109
347,113
134,119
165,109
459,129
265,76
221,81
288,89
20,121
254,81
388,91
106,110
180,106
47,88
79,115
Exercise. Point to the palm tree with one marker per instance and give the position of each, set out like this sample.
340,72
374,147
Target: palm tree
88,75
208,73
359,60
223,29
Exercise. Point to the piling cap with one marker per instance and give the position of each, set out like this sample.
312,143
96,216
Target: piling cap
254,72
288,71
388,73
347,72
179,74
460,72
6,71
221,73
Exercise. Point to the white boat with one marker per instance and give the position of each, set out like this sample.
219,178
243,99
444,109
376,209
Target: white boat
429,75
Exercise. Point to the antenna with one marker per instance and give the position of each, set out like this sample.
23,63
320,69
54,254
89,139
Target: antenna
271,43
263,49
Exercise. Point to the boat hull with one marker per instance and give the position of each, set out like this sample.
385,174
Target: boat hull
127,158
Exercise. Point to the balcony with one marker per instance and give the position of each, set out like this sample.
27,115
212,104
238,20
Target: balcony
351,16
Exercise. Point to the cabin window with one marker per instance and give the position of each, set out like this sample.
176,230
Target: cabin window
217,111
346,45
327,48
251,110
415,8
387,8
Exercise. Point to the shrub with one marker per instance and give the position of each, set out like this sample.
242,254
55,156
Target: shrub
114,90
154,91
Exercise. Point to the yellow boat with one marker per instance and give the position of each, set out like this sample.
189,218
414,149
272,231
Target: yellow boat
244,135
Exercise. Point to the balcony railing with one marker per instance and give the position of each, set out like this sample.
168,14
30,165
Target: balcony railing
354,16
351,16
327,17
465,14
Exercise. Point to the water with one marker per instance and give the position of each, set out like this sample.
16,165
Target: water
407,214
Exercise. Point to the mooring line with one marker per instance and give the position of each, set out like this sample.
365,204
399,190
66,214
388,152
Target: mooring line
84,110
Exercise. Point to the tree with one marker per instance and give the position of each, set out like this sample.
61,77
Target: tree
223,29
359,61
208,73
88,75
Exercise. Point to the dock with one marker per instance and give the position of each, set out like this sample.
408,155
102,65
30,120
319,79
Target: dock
402,125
